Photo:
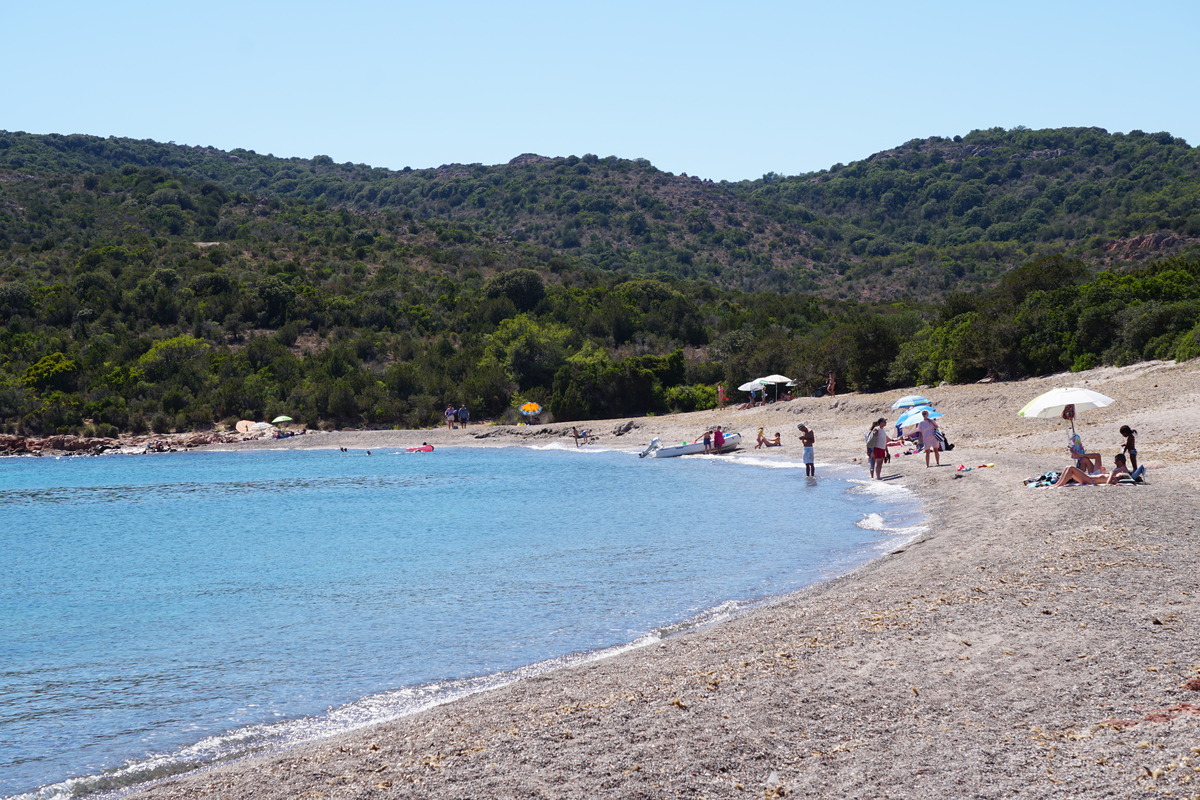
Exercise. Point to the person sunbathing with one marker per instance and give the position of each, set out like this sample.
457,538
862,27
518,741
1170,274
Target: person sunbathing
1074,474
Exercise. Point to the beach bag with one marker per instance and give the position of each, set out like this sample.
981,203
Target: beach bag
942,440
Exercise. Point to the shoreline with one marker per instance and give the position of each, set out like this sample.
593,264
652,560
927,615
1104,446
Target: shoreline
894,504
1031,643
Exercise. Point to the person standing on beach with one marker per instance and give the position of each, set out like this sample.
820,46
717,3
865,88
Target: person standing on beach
451,416
463,416
707,442
878,442
831,385
1130,448
718,439
806,439
869,438
928,429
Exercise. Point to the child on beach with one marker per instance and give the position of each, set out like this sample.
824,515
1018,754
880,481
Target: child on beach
807,439
1130,448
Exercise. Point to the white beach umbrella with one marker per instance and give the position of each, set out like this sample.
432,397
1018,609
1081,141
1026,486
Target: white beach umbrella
1052,403
774,380
750,386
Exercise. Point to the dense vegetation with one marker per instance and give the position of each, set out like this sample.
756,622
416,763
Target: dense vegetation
151,286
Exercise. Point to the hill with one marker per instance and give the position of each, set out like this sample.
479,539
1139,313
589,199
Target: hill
931,216
152,286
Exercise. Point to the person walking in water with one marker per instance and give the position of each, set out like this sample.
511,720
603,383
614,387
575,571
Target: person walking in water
806,439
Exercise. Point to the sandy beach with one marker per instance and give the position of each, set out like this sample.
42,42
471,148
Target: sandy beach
1035,643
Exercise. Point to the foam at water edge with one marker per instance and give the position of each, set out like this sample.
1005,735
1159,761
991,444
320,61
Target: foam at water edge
395,704
899,526
277,736
759,461
570,447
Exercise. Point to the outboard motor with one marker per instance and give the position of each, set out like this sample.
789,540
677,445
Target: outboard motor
650,448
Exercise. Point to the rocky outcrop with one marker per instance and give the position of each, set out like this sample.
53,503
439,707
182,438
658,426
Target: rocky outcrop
624,428
14,445
1149,242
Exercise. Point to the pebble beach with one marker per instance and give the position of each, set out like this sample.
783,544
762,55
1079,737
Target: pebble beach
1037,643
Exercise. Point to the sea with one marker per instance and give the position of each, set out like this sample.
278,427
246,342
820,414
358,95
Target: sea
160,613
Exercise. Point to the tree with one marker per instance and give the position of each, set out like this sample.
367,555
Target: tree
529,352
523,287
52,372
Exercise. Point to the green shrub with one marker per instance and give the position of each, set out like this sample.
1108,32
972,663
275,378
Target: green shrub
691,398
1189,345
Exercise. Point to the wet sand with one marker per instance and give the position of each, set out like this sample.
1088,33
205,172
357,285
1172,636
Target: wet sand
1031,643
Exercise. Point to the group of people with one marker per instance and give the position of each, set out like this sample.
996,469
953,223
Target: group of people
584,436
929,438
759,397
714,439
762,441
456,416
1088,468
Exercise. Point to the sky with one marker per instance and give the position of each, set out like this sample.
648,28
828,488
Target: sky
721,90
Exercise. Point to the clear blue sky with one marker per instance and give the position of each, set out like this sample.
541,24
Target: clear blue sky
720,90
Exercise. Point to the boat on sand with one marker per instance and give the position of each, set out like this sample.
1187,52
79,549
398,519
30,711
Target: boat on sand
658,450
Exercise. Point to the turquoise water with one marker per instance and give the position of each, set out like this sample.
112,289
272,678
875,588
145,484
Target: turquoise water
161,612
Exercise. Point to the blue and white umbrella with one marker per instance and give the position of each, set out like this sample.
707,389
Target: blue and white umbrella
915,415
911,400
